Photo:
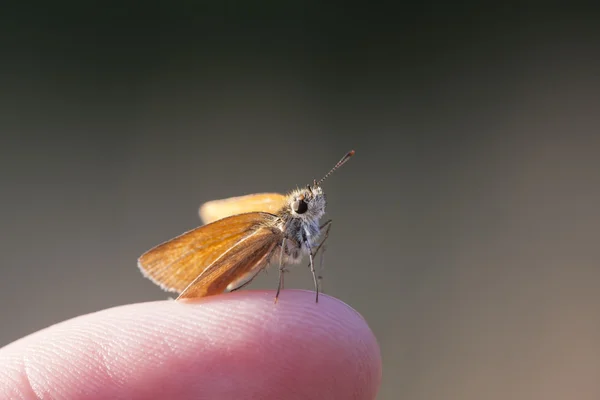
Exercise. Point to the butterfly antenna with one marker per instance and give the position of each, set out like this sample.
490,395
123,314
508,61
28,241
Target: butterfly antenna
336,166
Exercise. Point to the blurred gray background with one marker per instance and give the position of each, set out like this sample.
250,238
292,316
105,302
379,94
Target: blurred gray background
465,228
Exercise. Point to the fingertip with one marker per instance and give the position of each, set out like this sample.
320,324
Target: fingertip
239,345
323,349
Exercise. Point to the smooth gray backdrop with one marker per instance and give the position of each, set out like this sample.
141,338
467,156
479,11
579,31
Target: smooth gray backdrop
466,228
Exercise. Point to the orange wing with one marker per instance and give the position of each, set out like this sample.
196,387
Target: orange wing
173,265
248,255
264,202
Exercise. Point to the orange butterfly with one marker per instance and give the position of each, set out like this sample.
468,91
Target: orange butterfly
242,236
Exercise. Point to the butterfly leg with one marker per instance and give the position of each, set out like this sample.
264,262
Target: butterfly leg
327,227
281,270
312,270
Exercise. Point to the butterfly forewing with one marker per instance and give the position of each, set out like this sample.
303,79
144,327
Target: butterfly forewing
264,202
173,265
248,255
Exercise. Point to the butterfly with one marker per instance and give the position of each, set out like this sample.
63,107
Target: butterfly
242,236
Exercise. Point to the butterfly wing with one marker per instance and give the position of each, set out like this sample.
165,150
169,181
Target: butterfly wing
263,202
249,255
173,265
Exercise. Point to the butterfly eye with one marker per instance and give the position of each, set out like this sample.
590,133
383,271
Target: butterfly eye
299,206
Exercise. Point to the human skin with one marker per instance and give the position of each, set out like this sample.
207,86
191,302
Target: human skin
239,345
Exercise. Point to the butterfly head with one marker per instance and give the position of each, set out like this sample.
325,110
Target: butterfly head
308,203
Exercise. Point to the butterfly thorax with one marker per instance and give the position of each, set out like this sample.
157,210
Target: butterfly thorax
299,221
